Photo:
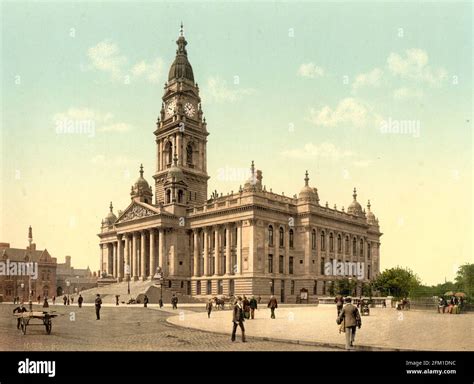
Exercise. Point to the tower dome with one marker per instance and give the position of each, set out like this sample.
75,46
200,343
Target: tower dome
355,208
110,219
307,193
181,68
141,190
175,173
370,215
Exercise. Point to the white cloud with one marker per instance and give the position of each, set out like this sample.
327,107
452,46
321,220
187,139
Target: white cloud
310,70
218,90
311,151
362,163
116,127
372,78
407,93
106,57
102,160
348,111
414,66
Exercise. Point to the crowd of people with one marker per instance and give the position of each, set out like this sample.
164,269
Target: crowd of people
454,305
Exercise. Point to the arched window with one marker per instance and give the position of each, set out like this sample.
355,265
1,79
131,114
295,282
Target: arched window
168,196
331,242
282,235
354,247
189,154
169,153
361,250
368,251
339,243
180,196
291,238
347,245
323,241
313,239
270,235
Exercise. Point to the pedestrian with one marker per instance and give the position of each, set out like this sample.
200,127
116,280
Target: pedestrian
209,308
14,299
145,301
65,299
20,309
39,299
80,299
45,303
384,304
98,304
238,319
174,301
253,307
339,304
272,304
350,319
117,299
259,299
161,303
72,299
246,305
54,300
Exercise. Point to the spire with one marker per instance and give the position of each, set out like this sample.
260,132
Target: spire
252,168
181,42
354,195
368,205
111,207
141,172
30,234
181,31
306,179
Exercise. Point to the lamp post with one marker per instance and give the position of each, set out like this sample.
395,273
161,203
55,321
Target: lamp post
159,276
271,287
22,292
127,272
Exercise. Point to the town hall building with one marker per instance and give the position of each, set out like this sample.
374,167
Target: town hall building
252,241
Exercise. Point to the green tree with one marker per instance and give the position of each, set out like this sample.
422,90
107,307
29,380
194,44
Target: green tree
465,279
398,282
345,286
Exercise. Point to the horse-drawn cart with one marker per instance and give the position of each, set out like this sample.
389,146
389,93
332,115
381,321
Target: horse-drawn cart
45,317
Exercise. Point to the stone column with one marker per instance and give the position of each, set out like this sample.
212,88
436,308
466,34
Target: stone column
308,251
120,258
161,255
228,256
239,247
134,256
127,253
114,259
217,258
152,253
101,268
110,259
143,255
196,253
206,252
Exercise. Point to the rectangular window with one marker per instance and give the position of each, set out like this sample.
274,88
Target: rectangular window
292,291
209,287
281,264
315,287
270,263
198,288
322,266
290,266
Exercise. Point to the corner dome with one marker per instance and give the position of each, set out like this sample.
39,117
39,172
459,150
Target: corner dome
307,193
355,208
110,219
370,215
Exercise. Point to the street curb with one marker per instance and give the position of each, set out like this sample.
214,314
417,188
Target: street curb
362,348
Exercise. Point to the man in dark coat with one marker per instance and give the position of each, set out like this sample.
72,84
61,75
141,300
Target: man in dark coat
65,299
98,304
145,301
80,300
339,304
209,308
45,302
238,319
272,304
351,318
246,305
174,301
20,309
253,307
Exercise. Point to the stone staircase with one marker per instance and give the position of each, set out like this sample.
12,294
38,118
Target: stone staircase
137,291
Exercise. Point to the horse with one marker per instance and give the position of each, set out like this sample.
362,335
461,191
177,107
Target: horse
219,303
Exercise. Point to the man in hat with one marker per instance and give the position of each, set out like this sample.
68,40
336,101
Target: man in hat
238,318
272,304
20,309
351,318
98,304
253,307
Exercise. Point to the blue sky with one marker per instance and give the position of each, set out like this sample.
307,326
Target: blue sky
316,82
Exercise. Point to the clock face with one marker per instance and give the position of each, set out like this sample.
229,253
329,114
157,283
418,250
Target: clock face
170,106
189,110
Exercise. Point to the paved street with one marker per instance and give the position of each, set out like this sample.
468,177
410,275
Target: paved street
123,328
385,327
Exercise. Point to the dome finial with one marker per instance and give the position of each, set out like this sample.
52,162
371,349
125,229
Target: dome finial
252,168
306,179
111,207
141,170
368,205
354,195
181,31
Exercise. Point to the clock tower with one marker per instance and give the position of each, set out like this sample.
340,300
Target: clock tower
181,137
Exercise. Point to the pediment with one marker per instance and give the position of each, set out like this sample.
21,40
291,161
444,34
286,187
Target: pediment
136,211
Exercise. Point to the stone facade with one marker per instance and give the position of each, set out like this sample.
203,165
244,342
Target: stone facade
252,241
79,278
